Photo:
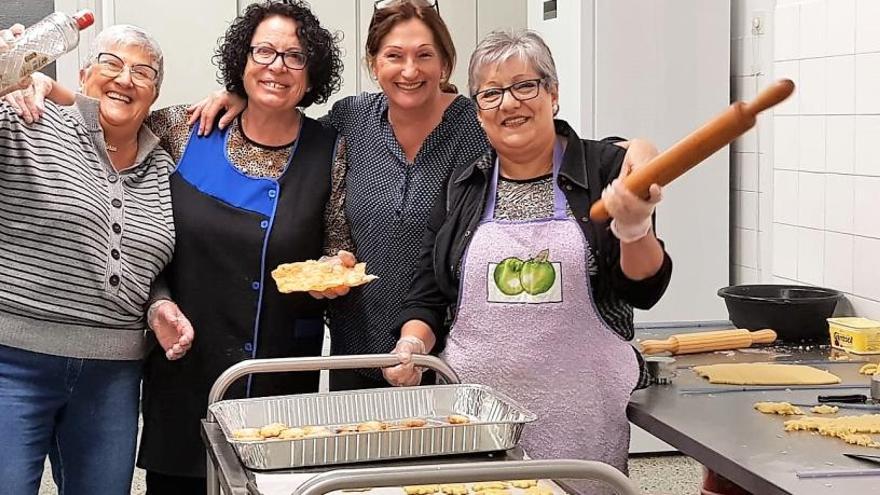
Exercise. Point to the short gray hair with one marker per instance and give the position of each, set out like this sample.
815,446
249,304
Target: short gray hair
127,35
499,46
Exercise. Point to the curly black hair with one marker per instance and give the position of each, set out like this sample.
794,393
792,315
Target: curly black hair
324,64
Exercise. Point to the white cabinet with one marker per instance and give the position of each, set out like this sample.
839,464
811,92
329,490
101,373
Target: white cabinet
656,69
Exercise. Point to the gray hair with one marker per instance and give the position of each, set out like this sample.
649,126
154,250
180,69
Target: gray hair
127,35
499,46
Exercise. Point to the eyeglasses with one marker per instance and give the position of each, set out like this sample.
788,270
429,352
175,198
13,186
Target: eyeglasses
265,55
141,74
490,98
384,4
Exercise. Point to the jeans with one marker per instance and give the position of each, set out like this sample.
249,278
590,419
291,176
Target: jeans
81,412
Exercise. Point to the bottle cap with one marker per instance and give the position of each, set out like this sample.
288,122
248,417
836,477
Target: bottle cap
84,18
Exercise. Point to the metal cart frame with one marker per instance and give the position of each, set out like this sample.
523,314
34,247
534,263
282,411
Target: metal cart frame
353,478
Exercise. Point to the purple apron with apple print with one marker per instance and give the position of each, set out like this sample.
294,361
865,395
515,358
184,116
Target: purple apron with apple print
526,326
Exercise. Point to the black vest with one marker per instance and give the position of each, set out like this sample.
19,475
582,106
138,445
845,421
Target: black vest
232,231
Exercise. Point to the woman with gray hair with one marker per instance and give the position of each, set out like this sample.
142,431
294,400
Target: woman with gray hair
542,296
85,227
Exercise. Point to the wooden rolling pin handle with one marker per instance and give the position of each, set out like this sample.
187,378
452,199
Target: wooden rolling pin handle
765,336
658,346
770,96
699,145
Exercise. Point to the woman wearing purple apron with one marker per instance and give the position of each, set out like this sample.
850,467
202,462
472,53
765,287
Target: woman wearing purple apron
517,288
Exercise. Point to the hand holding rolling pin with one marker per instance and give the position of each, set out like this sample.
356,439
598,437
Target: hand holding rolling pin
696,147
7,37
631,214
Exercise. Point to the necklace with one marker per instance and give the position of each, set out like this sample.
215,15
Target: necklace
111,148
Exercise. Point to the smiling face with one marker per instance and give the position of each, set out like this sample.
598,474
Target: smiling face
408,65
517,125
122,101
275,87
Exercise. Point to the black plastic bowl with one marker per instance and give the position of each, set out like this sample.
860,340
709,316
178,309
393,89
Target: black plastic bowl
797,313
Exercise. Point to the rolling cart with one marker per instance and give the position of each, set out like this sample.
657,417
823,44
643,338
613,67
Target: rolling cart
485,451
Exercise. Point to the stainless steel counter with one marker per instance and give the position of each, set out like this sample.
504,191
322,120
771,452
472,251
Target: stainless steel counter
725,433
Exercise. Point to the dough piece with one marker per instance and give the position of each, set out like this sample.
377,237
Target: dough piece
272,430
458,419
824,409
416,423
370,426
781,408
319,275
292,434
247,434
868,369
765,374
488,485
492,491
538,490
317,431
523,483
454,489
421,489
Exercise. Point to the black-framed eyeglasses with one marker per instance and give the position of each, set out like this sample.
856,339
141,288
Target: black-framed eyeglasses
141,74
490,98
384,4
266,55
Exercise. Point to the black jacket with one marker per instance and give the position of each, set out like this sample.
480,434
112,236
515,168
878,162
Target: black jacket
587,167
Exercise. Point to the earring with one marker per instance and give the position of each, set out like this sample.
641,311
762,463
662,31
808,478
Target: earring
555,109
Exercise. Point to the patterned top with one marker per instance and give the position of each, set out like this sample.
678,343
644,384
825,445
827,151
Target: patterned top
388,203
257,160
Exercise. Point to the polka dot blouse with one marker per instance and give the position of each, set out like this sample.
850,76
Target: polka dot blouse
388,201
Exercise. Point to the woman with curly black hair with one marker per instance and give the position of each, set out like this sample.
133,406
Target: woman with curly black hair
245,200
268,189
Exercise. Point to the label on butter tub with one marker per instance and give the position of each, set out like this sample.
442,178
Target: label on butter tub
855,335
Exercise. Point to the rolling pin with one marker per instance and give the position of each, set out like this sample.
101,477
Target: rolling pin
699,145
718,340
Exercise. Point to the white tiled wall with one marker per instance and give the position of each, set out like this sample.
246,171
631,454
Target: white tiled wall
821,225
752,172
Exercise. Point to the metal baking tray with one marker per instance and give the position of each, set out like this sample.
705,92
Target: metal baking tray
496,424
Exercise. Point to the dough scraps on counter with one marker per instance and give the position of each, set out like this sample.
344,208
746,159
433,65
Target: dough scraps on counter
868,369
825,409
851,429
781,408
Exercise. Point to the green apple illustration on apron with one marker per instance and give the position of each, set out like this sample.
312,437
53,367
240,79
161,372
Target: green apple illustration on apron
514,276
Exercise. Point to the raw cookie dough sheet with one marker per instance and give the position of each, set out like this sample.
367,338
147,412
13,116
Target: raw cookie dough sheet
765,374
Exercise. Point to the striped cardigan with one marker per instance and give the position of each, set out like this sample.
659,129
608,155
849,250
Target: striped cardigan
80,243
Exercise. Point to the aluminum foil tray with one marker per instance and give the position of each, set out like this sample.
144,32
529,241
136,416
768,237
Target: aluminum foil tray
496,424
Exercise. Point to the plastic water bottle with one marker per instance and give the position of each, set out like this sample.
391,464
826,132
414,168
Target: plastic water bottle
41,44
